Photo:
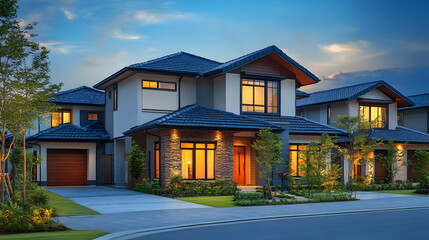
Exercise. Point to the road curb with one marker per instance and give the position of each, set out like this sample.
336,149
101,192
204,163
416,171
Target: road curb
136,233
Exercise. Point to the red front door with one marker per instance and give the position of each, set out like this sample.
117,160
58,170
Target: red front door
240,164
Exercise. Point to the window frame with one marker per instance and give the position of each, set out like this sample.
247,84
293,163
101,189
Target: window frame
297,157
194,160
157,85
266,80
386,126
115,97
157,147
93,113
62,117
328,113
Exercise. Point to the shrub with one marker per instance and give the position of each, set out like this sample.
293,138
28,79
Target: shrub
248,196
423,185
39,197
255,202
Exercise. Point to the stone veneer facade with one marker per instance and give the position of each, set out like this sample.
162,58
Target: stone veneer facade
171,154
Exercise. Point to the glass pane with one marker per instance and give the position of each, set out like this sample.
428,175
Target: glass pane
187,164
293,147
187,145
300,162
260,109
259,96
244,81
146,84
200,157
301,147
211,146
66,117
210,163
383,116
292,158
56,119
247,95
156,163
168,86
156,145
153,84
200,145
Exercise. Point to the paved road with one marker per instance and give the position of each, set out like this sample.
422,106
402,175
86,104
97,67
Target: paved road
392,225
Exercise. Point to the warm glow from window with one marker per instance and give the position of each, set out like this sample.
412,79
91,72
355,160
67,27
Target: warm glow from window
159,85
115,97
198,160
295,159
92,116
156,160
375,114
259,96
187,160
60,117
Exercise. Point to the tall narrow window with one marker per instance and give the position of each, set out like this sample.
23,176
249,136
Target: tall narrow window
156,160
60,117
295,159
198,160
115,97
259,96
375,114
329,114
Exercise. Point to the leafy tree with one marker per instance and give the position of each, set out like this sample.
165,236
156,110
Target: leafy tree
331,178
136,161
269,156
391,161
420,167
355,146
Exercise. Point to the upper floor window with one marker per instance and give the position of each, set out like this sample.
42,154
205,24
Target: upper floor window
169,86
328,112
259,96
401,118
374,113
115,97
60,117
92,116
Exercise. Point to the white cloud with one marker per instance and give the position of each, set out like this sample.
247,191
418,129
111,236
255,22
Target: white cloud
150,17
118,34
58,47
69,15
100,61
151,49
352,47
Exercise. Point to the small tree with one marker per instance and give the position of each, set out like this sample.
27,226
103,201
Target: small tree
355,146
136,161
331,178
269,155
420,167
391,161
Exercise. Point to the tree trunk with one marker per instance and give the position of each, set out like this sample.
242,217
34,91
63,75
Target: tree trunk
25,170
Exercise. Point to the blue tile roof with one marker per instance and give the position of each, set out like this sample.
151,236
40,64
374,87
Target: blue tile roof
302,126
70,132
81,96
400,134
191,65
200,117
420,101
345,94
301,94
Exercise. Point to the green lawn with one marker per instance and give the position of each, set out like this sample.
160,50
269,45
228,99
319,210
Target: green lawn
67,207
406,192
72,234
217,201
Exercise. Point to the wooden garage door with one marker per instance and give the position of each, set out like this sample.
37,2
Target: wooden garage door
67,167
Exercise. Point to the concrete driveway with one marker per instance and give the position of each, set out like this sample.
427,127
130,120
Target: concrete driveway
119,200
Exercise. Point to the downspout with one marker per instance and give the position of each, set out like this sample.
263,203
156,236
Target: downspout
178,89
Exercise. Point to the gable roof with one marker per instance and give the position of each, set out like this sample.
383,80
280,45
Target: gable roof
81,96
301,94
303,126
200,117
352,92
70,132
420,101
187,64
400,134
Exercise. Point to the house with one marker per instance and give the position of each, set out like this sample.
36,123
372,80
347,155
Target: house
417,116
198,117
374,101
71,140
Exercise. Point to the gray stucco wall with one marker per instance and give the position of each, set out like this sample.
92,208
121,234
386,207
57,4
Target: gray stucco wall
205,92
108,111
416,119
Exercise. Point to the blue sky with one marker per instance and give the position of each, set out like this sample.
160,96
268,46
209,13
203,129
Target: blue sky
342,42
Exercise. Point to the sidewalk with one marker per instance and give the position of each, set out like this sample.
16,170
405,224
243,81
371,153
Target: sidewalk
117,222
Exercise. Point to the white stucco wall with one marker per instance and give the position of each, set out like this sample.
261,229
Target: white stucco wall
393,115
288,98
232,92
91,147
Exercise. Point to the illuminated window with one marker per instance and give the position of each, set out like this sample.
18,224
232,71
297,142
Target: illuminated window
92,116
295,159
197,160
115,97
156,160
170,86
60,117
329,113
259,96
375,114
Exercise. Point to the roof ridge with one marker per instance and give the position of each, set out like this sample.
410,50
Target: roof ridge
326,125
421,94
157,59
412,130
332,89
201,57
77,89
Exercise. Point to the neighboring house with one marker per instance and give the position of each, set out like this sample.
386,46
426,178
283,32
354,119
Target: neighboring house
417,116
375,101
198,117
71,140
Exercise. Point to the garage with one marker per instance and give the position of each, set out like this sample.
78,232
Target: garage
67,167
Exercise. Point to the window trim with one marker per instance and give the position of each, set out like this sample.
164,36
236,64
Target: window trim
157,85
87,116
194,160
265,79
297,157
377,105
62,118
